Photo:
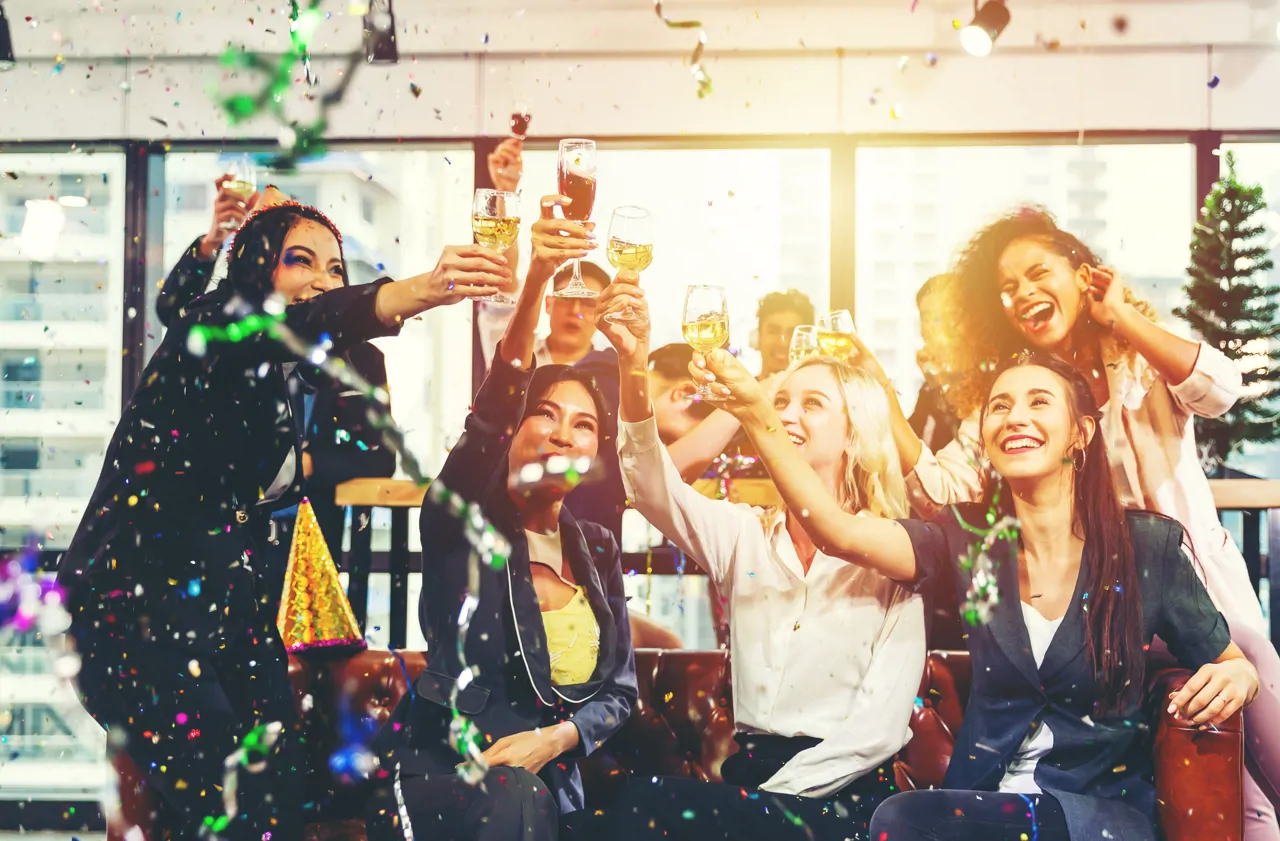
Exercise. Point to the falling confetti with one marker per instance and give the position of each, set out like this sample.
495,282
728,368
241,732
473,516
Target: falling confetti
700,74
415,90
1213,83
983,595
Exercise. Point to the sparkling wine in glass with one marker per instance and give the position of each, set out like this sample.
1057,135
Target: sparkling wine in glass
577,170
706,326
835,334
495,222
243,182
804,343
630,247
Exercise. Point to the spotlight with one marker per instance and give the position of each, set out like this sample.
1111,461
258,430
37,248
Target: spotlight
380,33
988,22
6,43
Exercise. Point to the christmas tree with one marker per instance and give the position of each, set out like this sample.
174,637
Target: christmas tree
1232,308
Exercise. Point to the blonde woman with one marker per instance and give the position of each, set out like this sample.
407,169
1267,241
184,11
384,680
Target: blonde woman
827,657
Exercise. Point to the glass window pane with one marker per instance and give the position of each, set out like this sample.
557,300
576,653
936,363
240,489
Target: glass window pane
61,305
1133,204
751,220
1259,163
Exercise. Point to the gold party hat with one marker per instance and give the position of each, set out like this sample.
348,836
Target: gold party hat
314,611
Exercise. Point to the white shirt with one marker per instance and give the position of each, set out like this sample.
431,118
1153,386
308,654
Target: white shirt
1021,776
836,654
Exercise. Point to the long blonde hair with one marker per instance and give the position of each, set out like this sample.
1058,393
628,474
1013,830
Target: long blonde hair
872,475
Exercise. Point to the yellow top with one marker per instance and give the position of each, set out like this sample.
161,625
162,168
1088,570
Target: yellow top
573,641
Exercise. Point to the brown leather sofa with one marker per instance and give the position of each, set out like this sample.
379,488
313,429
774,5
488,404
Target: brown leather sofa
683,725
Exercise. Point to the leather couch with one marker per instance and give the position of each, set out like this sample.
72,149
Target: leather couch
683,725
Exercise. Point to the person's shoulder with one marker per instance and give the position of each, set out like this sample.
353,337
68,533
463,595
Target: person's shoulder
1152,534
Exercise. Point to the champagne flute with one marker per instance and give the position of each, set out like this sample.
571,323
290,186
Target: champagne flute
495,222
577,171
706,326
804,343
630,247
835,334
243,182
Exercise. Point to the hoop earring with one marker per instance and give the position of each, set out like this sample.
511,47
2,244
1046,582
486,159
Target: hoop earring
1078,463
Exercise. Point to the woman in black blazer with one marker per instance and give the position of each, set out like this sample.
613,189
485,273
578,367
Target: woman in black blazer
1053,744
545,693
180,656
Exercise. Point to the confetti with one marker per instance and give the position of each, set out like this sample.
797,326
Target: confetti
983,593
1213,83
700,74
415,90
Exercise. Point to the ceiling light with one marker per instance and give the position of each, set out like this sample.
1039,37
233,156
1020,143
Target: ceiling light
980,35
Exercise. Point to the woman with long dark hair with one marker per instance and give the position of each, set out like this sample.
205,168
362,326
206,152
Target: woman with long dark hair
181,659
1049,746
1026,283
549,641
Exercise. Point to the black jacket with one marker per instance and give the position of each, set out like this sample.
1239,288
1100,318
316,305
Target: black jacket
1100,771
177,504
506,640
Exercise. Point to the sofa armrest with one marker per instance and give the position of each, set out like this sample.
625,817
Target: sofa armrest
1199,771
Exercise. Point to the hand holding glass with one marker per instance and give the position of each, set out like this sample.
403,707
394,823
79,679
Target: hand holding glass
804,343
630,247
706,326
495,221
577,171
243,182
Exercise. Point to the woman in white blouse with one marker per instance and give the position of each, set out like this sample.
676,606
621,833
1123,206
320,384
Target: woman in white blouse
1026,283
826,657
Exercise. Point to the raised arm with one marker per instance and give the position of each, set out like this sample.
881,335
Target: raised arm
904,437
553,242
693,453
953,474
877,544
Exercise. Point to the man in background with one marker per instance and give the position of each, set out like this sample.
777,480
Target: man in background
777,317
933,419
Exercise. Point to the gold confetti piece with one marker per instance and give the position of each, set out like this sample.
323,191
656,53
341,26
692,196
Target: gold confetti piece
700,74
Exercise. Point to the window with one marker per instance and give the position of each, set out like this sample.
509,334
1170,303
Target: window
1133,204
61,309
396,211
751,220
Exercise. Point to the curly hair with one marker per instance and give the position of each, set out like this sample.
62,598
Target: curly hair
985,337
257,246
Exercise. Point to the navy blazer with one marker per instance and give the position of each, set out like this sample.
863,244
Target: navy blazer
176,506
506,640
1100,771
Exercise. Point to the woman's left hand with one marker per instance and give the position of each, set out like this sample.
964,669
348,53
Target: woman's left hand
533,749
727,377
1106,296
629,338
1215,693
506,164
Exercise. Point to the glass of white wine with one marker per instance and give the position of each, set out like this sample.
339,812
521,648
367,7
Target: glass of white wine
804,343
835,334
243,182
495,222
630,247
706,326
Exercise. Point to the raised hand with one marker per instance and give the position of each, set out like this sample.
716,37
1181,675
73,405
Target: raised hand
229,212
630,338
464,271
506,164
728,379
1105,295
555,242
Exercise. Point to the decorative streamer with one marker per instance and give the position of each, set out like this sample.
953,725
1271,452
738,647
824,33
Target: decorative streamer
983,595
297,140
700,74
725,468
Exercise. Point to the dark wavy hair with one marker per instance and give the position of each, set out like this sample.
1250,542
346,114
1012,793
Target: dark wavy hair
258,244
1113,610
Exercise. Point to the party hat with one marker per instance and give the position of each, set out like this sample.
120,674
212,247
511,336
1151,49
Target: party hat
314,611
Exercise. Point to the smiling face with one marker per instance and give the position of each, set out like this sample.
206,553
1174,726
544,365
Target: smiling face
811,407
776,331
1029,429
1041,294
310,263
563,422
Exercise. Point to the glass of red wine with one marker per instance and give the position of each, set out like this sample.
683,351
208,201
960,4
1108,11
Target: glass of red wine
577,169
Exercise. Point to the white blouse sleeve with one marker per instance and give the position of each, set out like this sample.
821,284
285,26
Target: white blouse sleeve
879,721
1213,387
953,474
706,529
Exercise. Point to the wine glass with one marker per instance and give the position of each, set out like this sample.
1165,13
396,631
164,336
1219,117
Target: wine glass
243,182
835,334
495,222
706,326
519,128
630,247
577,170
804,343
